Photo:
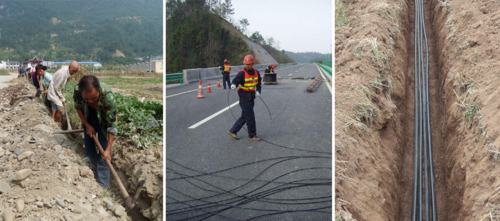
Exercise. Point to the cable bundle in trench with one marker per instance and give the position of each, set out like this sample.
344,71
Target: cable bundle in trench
423,179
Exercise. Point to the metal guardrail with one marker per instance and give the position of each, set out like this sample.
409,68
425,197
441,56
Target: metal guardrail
326,68
174,77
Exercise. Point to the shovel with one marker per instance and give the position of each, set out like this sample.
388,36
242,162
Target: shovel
129,201
67,118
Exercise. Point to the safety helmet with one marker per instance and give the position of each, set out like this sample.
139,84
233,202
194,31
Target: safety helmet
248,59
274,65
225,60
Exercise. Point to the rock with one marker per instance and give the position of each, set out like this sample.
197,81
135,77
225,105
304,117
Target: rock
21,174
53,202
8,215
4,187
78,217
43,128
20,206
86,205
17,152
39,204
66,218
61,202
119,211
86,172
48,205
102,212
39,198
108,204
21,103
57,147
24,155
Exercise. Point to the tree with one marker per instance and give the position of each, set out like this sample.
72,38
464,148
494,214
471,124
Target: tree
227,9
257,38
270,41
244,24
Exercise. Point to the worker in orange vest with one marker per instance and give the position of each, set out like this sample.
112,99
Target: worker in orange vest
225,74
248,80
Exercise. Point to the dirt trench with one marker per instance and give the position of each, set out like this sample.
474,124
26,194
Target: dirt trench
375,146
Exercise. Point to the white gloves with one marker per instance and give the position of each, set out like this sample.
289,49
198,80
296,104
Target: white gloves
257,94
233,87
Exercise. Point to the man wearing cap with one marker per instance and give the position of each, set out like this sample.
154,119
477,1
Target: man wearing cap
55,95
225,74
248,80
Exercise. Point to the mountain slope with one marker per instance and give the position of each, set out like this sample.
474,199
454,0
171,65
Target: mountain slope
305,56
83,30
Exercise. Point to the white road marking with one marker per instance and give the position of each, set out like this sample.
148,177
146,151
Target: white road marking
213,115
173,95
289,74
325,79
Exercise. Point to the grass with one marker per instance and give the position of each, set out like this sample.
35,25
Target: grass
366,112
340,16
150,87
4,72
471,111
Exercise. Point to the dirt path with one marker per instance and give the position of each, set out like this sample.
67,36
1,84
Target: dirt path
5,78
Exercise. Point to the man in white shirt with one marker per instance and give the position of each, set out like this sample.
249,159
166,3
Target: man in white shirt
54,94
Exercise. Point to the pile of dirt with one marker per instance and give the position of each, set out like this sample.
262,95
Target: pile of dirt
42,177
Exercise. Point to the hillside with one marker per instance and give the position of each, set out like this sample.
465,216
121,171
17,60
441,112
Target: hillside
278,55
196,38
84,30
305,56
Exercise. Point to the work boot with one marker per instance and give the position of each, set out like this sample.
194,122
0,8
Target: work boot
233,135
254,138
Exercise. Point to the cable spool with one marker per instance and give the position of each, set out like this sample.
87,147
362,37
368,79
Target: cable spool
270,78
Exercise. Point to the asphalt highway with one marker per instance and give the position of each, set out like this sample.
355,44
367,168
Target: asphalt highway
212,176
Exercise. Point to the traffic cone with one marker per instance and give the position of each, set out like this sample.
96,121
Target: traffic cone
209,90
218,83
200,91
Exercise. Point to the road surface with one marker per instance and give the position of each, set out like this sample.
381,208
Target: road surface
211,176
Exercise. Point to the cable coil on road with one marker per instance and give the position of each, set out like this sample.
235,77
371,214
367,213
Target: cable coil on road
423,141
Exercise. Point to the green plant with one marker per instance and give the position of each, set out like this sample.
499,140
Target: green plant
4,72
365,112
133,118
357,53
340,16
471,111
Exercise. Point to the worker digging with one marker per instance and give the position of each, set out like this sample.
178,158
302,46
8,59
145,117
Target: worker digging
248,80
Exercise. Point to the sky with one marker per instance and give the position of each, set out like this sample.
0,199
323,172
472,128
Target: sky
299,26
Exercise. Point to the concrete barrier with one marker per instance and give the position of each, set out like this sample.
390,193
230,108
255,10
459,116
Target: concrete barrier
194,75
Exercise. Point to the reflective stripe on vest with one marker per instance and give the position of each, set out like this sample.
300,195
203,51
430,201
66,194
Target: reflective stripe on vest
250,81
227,67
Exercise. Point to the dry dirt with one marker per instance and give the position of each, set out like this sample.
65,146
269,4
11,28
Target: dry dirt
59,169
374,104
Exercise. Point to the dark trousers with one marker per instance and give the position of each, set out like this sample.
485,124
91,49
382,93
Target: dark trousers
247,117
101,170
225,78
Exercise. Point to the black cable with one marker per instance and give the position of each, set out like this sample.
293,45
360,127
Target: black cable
274,144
